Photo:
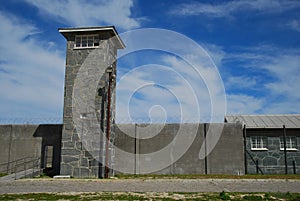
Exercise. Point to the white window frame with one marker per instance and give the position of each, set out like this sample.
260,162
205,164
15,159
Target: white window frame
91,41
259,143
291,143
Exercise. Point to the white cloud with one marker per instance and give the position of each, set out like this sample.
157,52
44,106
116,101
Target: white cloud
240,82
279,71
228,8
182,92
89,13
244,104
294,25
31,77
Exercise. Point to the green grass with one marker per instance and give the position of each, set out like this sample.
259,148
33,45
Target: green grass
2,174
210,176
152,196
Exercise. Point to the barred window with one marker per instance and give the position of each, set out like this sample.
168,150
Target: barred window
291,143
259,143
87,41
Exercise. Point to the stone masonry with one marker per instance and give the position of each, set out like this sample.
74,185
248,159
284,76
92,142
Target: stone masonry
90,72
272,160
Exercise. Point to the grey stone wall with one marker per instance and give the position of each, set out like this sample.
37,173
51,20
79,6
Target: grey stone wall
86,87
272,161
227,157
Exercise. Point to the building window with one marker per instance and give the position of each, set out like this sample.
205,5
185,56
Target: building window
290,143
87,41
259,143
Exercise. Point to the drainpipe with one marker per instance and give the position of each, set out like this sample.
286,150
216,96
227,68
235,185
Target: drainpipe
284,143
110,79
245,148
205,144
9,148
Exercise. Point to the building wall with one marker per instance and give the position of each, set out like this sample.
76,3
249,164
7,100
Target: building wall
20,141
227,157
83,144
272,161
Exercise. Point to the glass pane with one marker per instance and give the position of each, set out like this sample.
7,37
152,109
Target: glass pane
264,142
84,41
96,41
90,41
259,142
281,143
77,41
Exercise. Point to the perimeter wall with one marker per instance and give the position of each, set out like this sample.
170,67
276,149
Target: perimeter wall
227,157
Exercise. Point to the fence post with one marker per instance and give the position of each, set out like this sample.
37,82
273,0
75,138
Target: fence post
257,169
294,167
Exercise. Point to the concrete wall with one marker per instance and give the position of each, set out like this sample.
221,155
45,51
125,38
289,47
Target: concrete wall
272,160
20,141
227,156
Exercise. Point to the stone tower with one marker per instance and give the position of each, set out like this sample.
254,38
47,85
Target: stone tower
89,101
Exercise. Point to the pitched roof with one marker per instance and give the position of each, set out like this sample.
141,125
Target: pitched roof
266,121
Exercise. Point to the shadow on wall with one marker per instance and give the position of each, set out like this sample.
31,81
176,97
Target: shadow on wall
50,147
31,141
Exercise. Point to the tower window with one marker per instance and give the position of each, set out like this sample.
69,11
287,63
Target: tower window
87,41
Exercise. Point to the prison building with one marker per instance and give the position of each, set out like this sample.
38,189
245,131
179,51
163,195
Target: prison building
271,143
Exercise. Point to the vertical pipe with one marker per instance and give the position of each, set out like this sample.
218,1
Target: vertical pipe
205,149
108,126
9,148
245,149
135,154
285,156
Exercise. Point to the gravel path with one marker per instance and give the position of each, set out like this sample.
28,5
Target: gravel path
149,185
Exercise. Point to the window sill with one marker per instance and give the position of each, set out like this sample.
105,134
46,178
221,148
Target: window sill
80,48
259,149
289,149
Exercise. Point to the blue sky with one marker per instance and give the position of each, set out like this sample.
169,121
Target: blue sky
255,45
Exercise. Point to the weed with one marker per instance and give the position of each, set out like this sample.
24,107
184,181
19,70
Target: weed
224,196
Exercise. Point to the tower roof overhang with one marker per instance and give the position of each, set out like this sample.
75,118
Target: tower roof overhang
67,32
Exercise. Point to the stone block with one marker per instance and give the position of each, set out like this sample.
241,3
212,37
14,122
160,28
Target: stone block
270,161
68,159
70,152
65,169
81,172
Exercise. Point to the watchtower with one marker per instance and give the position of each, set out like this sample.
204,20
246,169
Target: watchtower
89,101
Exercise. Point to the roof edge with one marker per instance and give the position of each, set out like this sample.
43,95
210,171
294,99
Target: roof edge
100,28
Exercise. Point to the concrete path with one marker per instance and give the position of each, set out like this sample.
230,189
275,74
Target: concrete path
149,185
20,175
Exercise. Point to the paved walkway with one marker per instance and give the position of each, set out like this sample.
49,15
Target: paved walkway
20,175
149,185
